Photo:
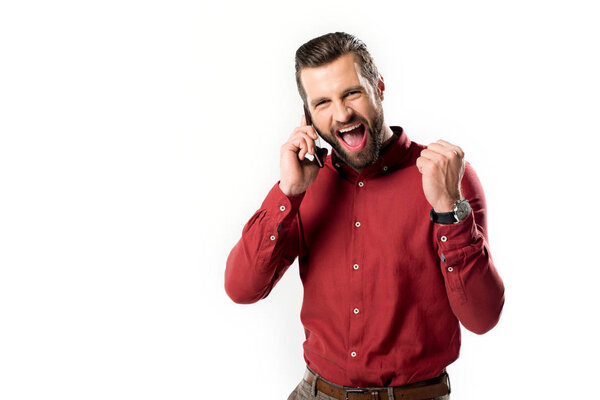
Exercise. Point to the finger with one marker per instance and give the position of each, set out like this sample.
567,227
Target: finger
309,130
309,144
303,148
303,120
309,141
423,165
442,149
458,150
312,146
301,154
297,143
432,155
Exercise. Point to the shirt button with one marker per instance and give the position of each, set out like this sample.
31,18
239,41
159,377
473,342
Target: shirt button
361,184
282,208
385,167
443,238
355,266
356,311
450,269
272,237
357,224
353,354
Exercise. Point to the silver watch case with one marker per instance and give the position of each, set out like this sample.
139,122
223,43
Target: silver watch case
461,210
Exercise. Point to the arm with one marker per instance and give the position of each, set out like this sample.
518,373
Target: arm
268,246
270,240
474,288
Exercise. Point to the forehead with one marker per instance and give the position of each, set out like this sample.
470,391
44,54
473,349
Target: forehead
332,78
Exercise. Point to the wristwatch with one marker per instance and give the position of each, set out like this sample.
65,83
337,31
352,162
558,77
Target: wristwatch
461,209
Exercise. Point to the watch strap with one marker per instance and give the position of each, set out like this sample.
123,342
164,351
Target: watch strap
461,209
446,218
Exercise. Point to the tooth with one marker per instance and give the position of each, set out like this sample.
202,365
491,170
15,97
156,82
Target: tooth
350,128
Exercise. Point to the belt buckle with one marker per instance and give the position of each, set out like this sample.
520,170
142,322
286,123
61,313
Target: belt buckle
357,391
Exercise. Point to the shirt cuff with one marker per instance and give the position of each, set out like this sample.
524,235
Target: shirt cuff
281,207
451,239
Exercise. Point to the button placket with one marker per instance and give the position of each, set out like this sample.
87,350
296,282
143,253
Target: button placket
356,322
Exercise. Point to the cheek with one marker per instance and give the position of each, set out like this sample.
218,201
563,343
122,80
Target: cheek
323,122
364,108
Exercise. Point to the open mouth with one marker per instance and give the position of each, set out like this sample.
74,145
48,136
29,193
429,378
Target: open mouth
353,136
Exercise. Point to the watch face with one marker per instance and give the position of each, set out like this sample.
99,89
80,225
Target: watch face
462,210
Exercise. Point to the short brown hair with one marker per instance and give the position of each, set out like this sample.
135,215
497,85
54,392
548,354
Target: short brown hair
327,48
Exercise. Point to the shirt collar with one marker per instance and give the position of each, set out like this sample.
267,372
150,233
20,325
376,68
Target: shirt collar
391,157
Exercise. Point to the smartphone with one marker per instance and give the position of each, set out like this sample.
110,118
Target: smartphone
318,152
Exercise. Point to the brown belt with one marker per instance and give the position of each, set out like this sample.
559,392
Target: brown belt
428,389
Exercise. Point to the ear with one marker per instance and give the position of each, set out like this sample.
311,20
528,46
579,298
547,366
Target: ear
380,86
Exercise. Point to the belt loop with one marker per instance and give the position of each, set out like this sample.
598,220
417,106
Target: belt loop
313,390
390,393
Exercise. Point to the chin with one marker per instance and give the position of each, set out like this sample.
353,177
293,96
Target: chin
361,159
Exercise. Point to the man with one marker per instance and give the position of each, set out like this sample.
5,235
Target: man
390,237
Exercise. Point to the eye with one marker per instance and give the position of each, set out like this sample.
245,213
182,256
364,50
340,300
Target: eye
320,103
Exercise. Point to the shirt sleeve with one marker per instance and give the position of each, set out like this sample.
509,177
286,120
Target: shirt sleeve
268,246
474,287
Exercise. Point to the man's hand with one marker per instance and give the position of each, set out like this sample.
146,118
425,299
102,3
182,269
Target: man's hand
298,172
442,166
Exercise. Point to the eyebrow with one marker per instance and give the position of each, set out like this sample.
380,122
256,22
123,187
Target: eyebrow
346,91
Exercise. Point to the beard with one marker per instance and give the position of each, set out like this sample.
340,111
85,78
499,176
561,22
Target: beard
369,154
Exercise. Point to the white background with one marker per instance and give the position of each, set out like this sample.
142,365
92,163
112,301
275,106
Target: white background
138,137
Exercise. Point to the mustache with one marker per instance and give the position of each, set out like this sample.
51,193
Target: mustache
352,122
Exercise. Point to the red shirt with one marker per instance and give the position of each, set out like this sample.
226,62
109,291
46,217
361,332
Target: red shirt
384,287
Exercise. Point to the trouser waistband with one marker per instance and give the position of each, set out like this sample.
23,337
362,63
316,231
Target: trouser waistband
430,388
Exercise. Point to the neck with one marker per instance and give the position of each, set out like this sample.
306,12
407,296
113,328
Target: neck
388,137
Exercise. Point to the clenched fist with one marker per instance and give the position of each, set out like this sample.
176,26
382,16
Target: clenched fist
298,172
442,166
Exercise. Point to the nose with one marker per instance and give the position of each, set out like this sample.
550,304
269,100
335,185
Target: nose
342,113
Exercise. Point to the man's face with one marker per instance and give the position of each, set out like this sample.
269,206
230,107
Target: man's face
346,109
